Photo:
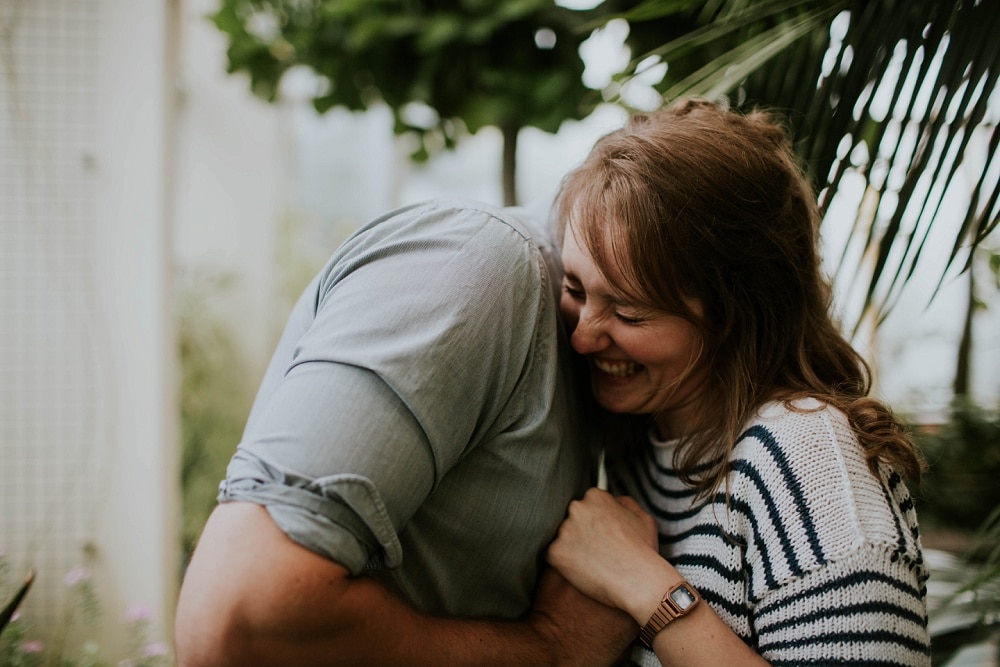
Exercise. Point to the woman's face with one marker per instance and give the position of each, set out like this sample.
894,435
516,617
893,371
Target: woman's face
641,361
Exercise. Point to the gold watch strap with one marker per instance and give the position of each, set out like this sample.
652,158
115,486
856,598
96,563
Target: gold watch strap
677,601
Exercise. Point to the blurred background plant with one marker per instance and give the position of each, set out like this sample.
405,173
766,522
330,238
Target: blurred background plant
894,91
215,396
964,593
961,489
959,503
445,69
73,644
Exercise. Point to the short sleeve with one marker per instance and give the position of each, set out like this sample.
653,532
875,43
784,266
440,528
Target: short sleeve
445,310
337,459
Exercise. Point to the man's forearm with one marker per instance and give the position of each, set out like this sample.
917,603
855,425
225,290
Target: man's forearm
253,597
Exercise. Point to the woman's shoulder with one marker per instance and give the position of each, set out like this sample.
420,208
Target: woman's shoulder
801,416
801,438
806,443
800,482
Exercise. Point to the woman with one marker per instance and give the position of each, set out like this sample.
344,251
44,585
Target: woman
760,514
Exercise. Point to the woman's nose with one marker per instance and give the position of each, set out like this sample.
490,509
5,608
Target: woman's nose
588,336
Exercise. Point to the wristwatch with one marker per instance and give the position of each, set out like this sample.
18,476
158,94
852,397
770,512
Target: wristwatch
677,601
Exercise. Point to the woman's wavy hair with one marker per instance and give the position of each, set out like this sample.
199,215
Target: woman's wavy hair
697,201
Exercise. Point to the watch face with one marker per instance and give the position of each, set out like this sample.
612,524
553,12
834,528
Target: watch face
682,597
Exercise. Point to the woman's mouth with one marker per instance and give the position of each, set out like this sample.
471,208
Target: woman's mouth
618,369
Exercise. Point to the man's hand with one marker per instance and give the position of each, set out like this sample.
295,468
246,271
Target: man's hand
580,630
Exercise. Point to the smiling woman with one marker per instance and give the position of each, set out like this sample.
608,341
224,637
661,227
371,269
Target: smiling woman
760,513
642,360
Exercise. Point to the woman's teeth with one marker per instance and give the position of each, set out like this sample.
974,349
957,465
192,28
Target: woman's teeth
618,369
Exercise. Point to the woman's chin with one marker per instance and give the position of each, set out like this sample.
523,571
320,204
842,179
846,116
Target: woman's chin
616,404
613,393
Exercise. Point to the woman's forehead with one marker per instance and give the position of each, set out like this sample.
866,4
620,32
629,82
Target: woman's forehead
604,245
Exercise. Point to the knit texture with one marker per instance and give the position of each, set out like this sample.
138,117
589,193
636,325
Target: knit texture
813,561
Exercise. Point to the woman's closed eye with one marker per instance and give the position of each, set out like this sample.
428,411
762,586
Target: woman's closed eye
574,292
629,319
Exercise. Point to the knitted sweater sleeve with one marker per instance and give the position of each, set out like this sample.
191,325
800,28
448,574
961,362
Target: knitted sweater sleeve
862,609
832,560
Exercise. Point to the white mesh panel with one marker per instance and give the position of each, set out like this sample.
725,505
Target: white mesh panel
53,354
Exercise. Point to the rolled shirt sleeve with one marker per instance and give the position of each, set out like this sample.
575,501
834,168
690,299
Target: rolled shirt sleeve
320,492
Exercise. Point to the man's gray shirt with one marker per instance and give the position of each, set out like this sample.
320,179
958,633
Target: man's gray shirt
418,421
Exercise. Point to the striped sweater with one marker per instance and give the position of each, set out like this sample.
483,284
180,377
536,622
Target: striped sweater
814,561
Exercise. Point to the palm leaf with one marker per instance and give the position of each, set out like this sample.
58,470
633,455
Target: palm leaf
720,77
901,98
938,160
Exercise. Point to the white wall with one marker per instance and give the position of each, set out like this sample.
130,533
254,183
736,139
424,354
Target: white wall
87,411
230,179
137,532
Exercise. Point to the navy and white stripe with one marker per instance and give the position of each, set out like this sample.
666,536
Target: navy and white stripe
812,559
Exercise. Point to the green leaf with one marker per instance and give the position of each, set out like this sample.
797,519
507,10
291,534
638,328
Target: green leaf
474,62
438,31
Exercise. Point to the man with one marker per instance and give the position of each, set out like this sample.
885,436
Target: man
411,451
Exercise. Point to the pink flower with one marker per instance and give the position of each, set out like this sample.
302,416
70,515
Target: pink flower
16,615
154,649
137,612
76,576
34,646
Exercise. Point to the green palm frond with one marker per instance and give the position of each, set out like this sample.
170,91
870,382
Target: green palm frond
897,92
714,80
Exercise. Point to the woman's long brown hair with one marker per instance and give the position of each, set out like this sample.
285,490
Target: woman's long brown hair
696,201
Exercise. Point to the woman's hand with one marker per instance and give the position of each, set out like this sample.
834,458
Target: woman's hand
608,548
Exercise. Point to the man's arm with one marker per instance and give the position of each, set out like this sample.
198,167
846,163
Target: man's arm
252,596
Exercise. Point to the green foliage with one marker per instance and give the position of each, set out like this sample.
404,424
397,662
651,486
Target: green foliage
970,614
713,46
20,645
960,489
960,493
474,63
898,93
215,400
